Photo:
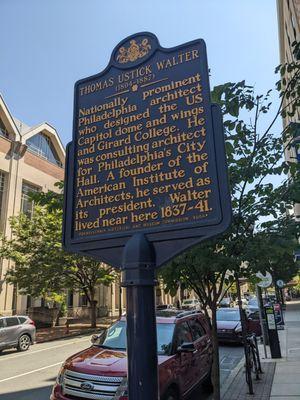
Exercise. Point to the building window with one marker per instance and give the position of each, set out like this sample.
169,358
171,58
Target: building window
70,298
41,145
83,301
3,130
2,182
27,204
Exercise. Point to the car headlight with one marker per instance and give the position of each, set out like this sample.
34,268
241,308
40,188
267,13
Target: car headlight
122,393
238,329
60,376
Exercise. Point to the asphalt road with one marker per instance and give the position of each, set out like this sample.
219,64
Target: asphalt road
30,375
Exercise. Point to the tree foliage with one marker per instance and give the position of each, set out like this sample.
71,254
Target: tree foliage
272,249
264,186
42,267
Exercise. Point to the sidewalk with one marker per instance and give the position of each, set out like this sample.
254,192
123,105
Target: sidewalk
286,383
237,388
61,332
281,378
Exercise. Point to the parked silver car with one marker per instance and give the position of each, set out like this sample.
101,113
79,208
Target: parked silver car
17,331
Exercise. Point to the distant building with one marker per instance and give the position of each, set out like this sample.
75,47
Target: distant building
289,27
31,159
289,32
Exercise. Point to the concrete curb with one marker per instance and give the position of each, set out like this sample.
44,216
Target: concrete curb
75,334
232,376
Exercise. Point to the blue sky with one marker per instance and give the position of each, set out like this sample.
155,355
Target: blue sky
46,46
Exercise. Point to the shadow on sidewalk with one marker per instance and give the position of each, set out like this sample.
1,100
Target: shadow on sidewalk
238,389
42,393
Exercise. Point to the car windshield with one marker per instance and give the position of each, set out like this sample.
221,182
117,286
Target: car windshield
252,302
115,337
229,315
225,300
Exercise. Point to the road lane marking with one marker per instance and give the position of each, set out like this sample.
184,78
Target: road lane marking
30,372
28,353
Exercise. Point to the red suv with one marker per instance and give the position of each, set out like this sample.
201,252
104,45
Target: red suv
184,356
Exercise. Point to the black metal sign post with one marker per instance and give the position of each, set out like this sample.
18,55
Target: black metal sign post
262,320
139,280
146,176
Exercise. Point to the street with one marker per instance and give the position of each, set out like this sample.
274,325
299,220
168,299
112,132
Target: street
30,375
230,355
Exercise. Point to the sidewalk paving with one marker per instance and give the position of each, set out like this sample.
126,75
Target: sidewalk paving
237,389
280,380
286,383
61,332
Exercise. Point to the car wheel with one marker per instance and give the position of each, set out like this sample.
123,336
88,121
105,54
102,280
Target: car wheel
171,395
207,383
24,343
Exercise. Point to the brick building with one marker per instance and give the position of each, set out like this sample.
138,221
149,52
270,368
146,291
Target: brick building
289,32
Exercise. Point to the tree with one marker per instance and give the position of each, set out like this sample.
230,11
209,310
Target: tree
204,270
42,267
255,157
272,249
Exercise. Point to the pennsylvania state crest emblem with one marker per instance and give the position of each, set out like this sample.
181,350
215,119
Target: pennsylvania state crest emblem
134,51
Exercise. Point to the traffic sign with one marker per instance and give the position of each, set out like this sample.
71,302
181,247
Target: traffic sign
280,283
265,280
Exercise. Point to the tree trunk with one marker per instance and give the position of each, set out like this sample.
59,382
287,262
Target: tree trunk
93,314
216,364
277,293
120,300
93,304
282,298
57,307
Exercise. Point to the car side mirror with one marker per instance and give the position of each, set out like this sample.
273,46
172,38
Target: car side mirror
95,338
186,348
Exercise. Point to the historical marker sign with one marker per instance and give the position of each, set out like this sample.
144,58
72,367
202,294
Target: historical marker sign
147,153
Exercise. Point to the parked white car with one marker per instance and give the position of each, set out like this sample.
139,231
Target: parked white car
244,303
191,304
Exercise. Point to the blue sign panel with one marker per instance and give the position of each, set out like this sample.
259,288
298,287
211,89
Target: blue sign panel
147,153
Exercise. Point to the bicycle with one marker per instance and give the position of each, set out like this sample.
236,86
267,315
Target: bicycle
253,364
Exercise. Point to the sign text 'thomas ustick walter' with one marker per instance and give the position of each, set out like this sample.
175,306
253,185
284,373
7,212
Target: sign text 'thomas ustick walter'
147,153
